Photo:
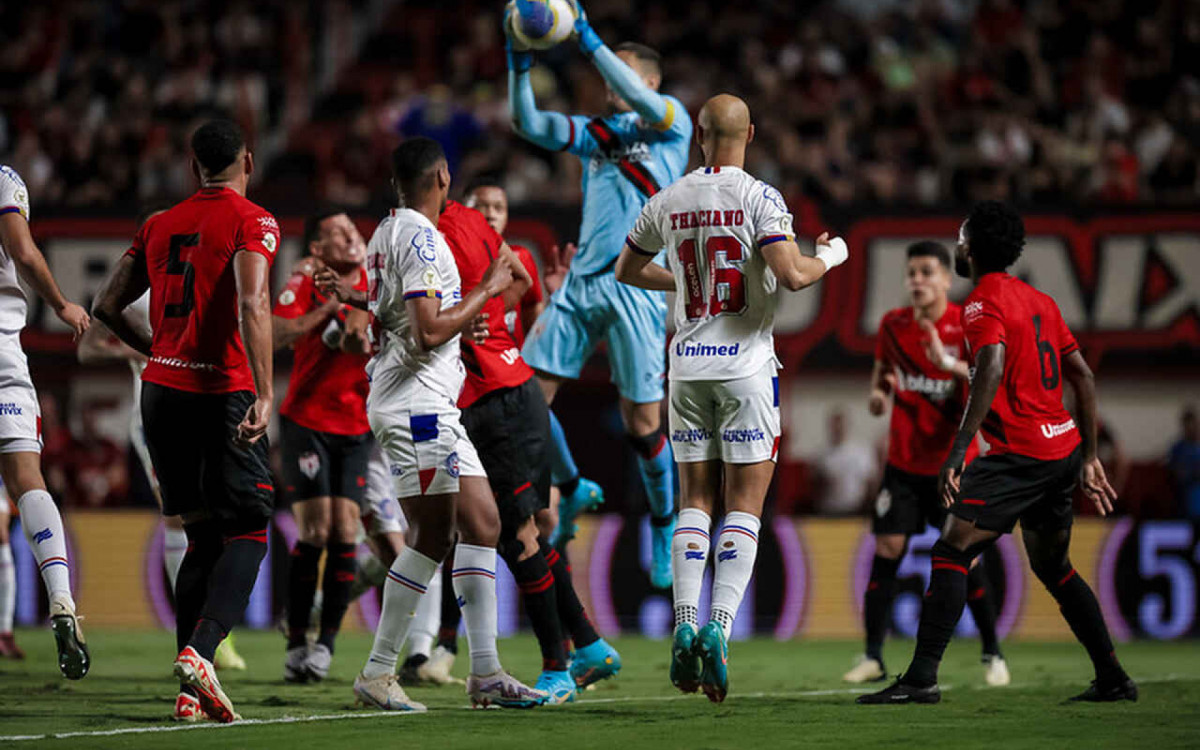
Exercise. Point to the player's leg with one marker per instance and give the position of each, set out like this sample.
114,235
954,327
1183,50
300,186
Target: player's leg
341,560
576,494
451,616
174,538
980,601
877,606
8,587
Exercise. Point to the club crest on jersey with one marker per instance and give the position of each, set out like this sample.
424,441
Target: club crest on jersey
397,470
269,242
309,463
288,297
883,503
452,464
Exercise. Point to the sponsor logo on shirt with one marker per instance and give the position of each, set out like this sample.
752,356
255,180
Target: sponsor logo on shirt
638,152
510,356
1051,431
743,436
937,388
707,350
10,409
424,244
691,436
183,363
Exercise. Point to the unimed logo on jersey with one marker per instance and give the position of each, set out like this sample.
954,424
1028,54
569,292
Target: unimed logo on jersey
706,350
10,409
1050,431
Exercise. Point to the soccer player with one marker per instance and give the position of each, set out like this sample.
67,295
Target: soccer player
916,359
730,243
416,296
1021,352
628,155
206,393
20,423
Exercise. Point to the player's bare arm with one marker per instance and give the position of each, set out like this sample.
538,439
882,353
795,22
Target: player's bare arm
124,285
98,345
356,338
883,382
639,269
330,282
434,326
521,280
17,241
795,270
1091,474
286,331
250,272
937,353
985,381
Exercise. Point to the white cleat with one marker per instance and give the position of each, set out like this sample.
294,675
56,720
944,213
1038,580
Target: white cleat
317,663
865,670
503,690
995,671
384,692
294,664
437,668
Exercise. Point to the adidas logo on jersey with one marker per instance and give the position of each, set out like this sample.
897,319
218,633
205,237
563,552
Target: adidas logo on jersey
935,387
707,350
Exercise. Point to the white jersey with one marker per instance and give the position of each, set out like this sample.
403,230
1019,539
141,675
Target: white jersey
138,316
13,198
712,223
408,258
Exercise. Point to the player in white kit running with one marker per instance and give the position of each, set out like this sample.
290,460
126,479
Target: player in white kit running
729,243
415,293
20,417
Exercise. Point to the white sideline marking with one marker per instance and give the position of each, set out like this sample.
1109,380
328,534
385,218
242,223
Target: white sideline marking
582,702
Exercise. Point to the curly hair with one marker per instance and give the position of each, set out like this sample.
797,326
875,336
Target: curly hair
996,235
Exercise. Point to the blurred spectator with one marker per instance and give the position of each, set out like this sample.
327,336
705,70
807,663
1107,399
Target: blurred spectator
1184,462
847,470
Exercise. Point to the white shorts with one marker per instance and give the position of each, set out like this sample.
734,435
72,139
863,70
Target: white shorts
426,450
381,513
736,421
20,414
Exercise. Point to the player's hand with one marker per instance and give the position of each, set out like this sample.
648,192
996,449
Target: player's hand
479,329
1096,487
557,266
331,284
589,40
76,317
877,403
948,481
254,425
356,342
497,277
832,251
520,59
934,349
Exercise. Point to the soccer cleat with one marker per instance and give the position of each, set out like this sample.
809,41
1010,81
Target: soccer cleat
898,693
503,690
660,548
1124,690
408,674
714,660
9,648
866,669
194,670
294,664
73,658
594,662
227,656
995,670
384,692
558,685
437,668
685,663
316,666
587,496
187,709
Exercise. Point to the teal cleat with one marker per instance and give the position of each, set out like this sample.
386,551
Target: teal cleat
714,656
660,548
587,496
685,663
558,685
594,662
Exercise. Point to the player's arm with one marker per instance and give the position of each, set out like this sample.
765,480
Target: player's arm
636,267
550,130
796,270
31,266
434,326
1092,477
290,319
251,276
936,351
124,285
331,284
883,382
985,381
356,338
98,345
521,280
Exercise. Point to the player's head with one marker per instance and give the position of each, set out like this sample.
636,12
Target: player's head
646,62
990,240
219,154
927,277
331,236
487,197
420,171
724,128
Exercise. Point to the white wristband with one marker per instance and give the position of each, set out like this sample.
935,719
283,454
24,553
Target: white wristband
948,361
833,254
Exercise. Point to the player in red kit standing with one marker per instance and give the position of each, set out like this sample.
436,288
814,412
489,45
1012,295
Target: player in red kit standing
1020,351
207,393
916,360
325,438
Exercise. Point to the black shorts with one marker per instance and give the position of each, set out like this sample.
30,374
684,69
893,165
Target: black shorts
199,468
997,491
906,503
510,429
321,464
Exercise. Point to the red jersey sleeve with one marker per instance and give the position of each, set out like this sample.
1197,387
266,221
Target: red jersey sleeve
259,233
137,250
983,323
1066,340
296,297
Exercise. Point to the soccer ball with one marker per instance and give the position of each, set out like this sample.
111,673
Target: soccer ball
541,24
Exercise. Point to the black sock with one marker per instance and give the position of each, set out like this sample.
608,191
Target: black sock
451,614
877,603
340,565
568,487
979,599
1082,612
302,588
536,583
571,613
229,589
191,585
943,606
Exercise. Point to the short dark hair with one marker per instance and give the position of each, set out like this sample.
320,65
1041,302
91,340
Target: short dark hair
644,54
930,249
413,162
312,224
996,235
217,144
487,179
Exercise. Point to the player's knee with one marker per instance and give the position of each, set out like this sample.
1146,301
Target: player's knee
316,533
547,520
891,546
647,443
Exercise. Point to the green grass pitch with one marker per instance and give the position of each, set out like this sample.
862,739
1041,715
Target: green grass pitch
781,695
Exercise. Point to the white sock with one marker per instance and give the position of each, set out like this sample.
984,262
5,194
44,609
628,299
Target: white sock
8,587
475,584
44,531
425,623
406,584
175,544
689,556
737,546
